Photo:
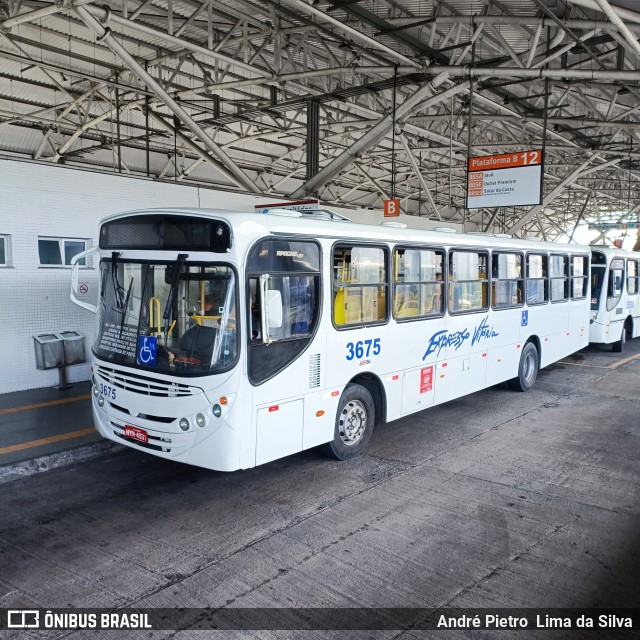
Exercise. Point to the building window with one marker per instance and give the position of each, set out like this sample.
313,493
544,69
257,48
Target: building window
359,285
5,259
507,280
59,251
468,281
419,283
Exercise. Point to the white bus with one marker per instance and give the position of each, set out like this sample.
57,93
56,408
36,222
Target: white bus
227,340
615,308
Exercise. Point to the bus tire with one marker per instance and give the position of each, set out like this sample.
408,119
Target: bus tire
355,419
527,369
617,347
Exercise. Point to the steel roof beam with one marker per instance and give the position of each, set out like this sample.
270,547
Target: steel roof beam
240,178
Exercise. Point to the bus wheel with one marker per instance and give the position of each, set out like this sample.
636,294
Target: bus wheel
618,346
354,423
527,369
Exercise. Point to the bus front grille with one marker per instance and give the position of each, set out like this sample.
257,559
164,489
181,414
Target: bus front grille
143,384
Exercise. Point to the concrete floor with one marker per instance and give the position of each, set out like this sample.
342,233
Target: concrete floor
500,499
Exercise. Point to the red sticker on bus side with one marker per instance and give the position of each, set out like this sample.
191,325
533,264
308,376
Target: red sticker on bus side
426,379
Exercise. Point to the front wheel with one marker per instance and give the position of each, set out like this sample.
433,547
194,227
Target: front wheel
527,369
617,347
354,423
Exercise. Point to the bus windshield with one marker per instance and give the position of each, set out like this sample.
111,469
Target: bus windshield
597,278
175,317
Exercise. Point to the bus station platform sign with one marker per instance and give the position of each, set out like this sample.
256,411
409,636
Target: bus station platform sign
507,180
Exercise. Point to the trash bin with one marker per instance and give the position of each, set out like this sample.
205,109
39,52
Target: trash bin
73,347
57,350
49,351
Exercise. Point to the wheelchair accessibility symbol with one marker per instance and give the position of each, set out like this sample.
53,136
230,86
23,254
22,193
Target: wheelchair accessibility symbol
525,318
147,348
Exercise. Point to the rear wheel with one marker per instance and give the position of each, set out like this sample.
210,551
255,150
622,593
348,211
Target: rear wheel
527,369
354,423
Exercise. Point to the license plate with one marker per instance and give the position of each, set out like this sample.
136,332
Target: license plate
139,435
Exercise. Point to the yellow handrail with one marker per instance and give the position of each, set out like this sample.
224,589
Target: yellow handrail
154,303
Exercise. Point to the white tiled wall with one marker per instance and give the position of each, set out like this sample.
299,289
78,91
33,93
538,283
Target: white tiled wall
42,200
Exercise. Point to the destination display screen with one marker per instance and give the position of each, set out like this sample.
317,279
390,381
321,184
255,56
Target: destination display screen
166,231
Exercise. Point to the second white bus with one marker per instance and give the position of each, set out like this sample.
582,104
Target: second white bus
615,302
227,340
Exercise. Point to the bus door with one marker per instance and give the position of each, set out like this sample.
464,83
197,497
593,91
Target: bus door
615,290
285,363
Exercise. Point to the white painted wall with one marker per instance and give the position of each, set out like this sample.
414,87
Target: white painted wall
51,200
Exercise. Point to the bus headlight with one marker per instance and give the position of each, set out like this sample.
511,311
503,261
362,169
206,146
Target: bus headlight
96,393
201,420
101,401
184,424
217,410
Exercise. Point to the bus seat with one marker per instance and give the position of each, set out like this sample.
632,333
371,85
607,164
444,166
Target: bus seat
198,341
406,306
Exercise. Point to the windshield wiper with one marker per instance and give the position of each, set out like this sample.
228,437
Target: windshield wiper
125,307
170,307
118,289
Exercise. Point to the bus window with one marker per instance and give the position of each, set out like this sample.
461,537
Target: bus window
632,277
359,285
468,281
579,270
615,284
419,285
506,284
537,272
559,280
292,272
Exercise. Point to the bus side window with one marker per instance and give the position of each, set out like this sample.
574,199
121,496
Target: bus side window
359,285
579,271
536,273
468,287
632,277
507,280
559,278
418,280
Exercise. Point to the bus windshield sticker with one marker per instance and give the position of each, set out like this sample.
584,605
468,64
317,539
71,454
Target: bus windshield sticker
120,340
147,349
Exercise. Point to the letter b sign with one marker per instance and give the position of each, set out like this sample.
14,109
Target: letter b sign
391,208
